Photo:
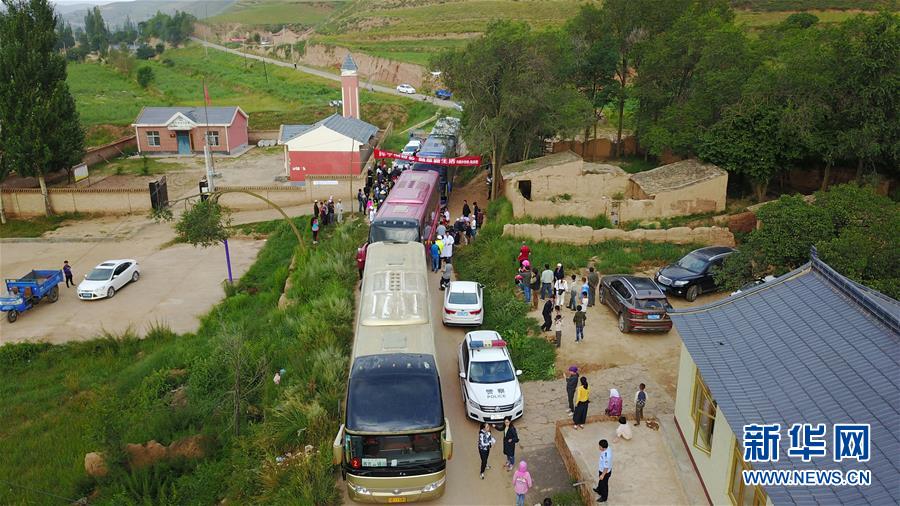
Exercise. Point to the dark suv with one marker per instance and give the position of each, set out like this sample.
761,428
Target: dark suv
639,303
693,274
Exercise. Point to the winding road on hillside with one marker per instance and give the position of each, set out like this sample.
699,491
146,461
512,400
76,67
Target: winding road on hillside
325,74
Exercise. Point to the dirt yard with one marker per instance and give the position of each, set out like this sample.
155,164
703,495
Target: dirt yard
178,284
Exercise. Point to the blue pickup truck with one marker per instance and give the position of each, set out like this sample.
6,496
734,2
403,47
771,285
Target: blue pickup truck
27,291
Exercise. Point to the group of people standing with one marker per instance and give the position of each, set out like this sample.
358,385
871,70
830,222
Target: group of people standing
463,231
521,478
578,396
325,213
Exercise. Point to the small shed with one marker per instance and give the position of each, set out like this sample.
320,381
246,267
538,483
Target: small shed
336,145
181,130
681,188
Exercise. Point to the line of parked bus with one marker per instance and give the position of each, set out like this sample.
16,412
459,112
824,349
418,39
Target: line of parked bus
394,443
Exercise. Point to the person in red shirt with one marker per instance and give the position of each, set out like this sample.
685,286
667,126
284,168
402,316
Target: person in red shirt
524,251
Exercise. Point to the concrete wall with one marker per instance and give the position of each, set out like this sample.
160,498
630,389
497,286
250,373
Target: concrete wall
109,151
255,136
714,467
316,188
572,234
23,203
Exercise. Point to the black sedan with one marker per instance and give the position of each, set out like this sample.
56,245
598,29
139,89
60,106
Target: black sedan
639,303
693,274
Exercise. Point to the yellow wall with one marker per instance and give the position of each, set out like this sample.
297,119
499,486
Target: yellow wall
715,466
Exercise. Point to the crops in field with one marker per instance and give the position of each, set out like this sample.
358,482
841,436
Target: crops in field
277,12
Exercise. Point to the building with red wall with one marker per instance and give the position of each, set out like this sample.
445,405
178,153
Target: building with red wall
181,130
337,145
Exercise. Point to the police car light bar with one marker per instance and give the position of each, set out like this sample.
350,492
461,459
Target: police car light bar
495,343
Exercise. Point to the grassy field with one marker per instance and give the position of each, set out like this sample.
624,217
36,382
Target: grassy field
760,19
60,402
277,12
271,95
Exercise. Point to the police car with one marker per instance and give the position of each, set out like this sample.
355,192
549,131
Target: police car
488,380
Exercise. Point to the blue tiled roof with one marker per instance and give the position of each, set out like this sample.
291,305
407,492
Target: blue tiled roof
349,64
811,346
160,115
354,128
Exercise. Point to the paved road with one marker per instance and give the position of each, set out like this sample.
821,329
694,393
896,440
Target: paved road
327,75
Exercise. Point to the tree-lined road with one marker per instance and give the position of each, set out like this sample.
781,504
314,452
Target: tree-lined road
326,75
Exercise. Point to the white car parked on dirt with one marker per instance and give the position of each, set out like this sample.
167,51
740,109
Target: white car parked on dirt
488,380
107,278
463,303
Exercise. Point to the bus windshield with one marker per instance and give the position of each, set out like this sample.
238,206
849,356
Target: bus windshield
397,450
382,232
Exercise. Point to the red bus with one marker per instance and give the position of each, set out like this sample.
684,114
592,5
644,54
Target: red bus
410,212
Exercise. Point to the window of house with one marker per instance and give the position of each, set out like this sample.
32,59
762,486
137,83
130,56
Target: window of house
704,413
153,138
740,494
212,138
525,189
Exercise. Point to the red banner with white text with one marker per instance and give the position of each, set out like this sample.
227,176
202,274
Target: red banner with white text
465,161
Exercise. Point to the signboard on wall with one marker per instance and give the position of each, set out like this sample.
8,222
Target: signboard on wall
329,182
81,172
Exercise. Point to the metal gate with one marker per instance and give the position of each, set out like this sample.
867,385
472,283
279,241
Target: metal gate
159,194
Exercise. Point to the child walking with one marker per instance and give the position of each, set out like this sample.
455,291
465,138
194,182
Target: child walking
557,326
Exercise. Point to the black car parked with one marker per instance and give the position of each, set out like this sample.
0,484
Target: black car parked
693,274
638,302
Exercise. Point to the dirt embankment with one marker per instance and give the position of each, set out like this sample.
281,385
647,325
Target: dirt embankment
370,67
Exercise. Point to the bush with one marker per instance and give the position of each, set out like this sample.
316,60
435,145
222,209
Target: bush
144,52
16,354
145,76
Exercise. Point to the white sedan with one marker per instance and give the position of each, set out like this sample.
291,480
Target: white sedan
463,303
405,88
107,278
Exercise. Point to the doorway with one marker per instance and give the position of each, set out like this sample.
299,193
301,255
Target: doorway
525,189
184,143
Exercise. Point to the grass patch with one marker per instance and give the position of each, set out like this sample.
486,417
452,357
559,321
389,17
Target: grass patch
63,401
695,220
491,260
597,222
568,498
271,95
760,19
635,164
139,166
36,227
305,13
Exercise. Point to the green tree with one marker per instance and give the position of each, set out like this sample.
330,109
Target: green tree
65,38
144,76
144,52
204,224
41,131
160,47
509,81
855,230
866,52
593,68
749,140
630,23
689,75
96,32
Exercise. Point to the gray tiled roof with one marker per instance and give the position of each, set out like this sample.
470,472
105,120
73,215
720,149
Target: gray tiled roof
160,115
354,128
811,346
349,64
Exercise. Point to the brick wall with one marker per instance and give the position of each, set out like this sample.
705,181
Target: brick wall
571,234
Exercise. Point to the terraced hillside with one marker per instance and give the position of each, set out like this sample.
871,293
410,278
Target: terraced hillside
413,30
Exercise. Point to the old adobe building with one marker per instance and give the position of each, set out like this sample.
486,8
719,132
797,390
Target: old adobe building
180,130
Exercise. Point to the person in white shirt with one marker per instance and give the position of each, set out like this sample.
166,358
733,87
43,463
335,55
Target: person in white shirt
624,430
604,467
447,252
561,286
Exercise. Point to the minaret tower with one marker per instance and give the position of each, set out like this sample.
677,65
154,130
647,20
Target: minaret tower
350,88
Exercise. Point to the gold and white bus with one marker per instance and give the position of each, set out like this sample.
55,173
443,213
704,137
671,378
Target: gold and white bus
394,443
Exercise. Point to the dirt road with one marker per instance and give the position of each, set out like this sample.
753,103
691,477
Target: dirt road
326,75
